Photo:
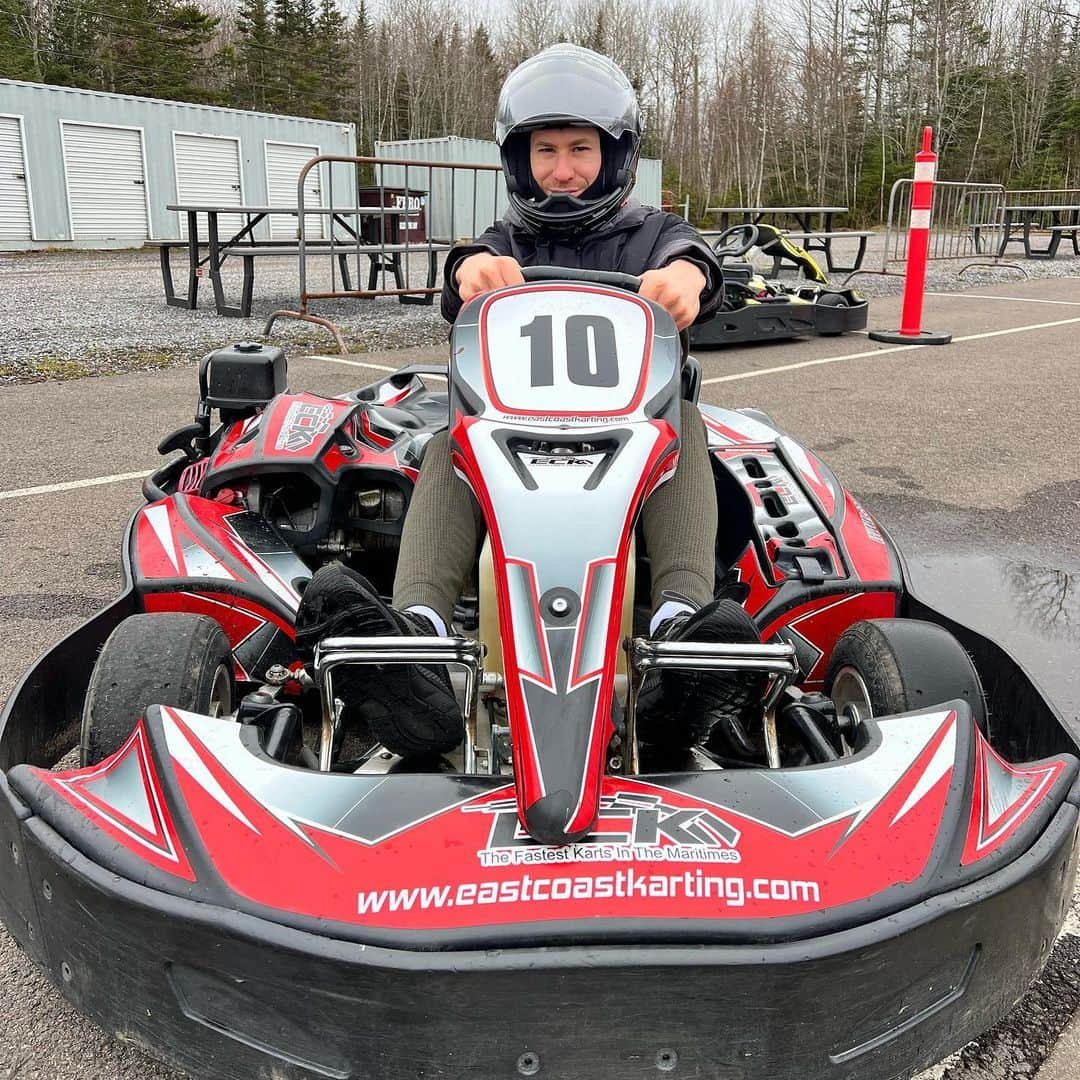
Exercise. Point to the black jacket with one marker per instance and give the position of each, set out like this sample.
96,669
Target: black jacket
637,239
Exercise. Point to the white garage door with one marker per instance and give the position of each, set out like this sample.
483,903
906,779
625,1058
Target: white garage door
106,182
208,174
283,164
14,199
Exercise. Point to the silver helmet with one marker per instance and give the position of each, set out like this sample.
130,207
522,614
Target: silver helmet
568,86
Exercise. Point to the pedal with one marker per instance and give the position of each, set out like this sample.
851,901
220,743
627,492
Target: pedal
462,653
645,655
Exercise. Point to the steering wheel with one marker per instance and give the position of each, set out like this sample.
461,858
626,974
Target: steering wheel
597,277
736,241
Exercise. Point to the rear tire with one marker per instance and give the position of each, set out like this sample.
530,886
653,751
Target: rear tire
164,658
885,666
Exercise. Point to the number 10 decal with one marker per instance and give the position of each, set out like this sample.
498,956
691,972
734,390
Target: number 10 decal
592,357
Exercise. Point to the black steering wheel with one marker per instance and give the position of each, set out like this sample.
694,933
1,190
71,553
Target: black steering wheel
736,241
596,277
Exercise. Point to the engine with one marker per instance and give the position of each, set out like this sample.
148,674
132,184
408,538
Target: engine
334,476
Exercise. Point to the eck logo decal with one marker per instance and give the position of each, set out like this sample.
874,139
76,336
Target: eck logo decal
630,828
302,425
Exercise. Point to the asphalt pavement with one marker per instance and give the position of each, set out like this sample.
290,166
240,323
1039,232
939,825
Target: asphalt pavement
976,442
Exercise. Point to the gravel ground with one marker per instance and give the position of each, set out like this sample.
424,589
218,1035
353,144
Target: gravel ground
69,314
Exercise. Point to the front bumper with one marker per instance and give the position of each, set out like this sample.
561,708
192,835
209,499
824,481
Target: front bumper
225,994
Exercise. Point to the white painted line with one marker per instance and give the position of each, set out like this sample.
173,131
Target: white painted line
358,363
347,362
1013,299
72,485
881,352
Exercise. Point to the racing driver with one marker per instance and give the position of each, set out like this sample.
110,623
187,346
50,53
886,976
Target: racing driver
569,130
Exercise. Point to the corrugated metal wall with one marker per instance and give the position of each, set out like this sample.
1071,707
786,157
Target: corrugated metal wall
44,109
15,223
105,172
459,209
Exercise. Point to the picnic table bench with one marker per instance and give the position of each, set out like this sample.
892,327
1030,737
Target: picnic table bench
1056,221
815,237
381,255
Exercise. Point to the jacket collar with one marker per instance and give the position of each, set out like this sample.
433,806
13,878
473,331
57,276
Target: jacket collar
629,216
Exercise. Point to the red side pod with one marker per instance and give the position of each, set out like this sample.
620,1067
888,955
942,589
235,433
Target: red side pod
189,539
871,559
749,571
125,799
1003,797
815,627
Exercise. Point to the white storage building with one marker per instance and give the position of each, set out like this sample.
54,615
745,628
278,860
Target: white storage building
81,168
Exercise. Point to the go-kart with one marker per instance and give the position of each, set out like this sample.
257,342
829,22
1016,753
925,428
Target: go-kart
853,884
755,308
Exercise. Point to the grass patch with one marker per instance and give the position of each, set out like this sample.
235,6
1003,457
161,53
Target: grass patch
54,369
94,362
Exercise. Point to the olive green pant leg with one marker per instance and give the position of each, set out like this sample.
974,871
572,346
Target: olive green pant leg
440,538
679,520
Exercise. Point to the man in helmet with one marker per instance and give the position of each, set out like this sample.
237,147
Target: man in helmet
569,130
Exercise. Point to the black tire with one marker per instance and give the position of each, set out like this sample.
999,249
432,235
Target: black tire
832,300
165,658
885,666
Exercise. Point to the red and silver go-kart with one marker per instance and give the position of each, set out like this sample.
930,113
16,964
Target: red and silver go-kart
852,885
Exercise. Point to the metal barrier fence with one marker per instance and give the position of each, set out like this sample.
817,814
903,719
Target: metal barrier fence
398,226
967,223
1042,196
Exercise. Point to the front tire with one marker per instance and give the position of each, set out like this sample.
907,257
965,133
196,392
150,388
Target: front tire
165,658
885,666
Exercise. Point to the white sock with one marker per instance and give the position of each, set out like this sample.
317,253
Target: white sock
665,611
432,616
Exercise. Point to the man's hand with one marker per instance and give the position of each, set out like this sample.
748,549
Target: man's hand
676,288
482,272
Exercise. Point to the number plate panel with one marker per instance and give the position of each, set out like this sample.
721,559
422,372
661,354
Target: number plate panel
565,351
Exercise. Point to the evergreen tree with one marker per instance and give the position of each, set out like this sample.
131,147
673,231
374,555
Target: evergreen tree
254,55
154,48
73,45
21,52
330,59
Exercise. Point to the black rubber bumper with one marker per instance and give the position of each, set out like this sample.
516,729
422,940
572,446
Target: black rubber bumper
223,994
779,321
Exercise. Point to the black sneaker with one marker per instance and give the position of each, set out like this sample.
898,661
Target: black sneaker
409,708
681,708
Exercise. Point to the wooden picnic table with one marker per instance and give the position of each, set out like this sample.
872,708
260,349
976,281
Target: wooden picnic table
814,226
384,253
1058,220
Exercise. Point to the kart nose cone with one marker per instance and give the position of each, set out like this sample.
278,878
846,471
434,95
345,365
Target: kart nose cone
547,818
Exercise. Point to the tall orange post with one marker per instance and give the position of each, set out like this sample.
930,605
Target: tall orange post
922,206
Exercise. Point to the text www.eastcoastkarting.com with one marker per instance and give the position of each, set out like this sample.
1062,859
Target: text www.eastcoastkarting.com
623,884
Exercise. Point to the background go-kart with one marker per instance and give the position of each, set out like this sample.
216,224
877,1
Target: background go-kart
975,447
